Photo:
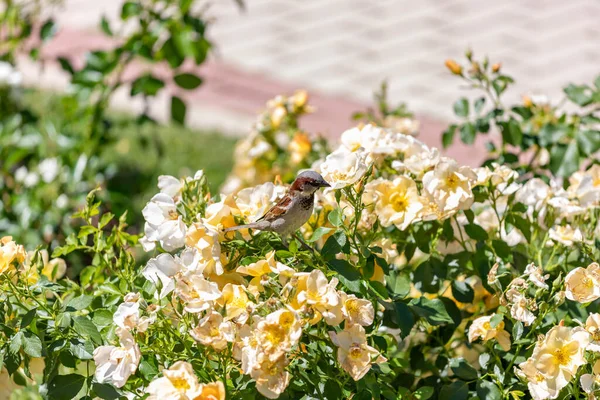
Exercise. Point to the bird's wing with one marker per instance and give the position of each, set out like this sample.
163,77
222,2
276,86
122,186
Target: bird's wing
278,209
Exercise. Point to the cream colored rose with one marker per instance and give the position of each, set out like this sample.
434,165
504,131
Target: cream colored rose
583,284
565,235
482,329
450,186
354,354
214,332
178,382
357,311
343,168
395,202
206,241
10,252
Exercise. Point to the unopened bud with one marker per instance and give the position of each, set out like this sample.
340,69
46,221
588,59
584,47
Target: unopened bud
496,67
454,67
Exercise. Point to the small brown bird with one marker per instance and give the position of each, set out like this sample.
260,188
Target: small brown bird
293,210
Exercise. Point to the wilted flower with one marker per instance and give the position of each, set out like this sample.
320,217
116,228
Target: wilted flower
535,275
583,284
520,306
116,364
482,329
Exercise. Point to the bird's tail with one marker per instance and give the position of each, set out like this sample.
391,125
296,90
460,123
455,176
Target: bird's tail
240,227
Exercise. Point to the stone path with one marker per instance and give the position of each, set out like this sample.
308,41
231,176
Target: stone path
342,49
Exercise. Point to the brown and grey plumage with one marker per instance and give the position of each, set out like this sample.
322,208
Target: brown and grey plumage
293,210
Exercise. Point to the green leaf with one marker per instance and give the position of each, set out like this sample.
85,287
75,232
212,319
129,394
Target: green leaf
148,368
488,390
335,217
65,387
32,345
588,141
423,393
457,390
147,85
130,9
83,350
467,133
105,26
85,327
318,233
28,318
105,391
399,284
479,103
564,160
501,248
461,107
511,132
187,81
463,369
448,136
102,317
336,243
344,268
15,343
404,318
551,134
476,232
496,320
462,291
48,30
178,110
79,302
517,330
431,310
579,94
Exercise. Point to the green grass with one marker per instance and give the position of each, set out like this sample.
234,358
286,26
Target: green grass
141,153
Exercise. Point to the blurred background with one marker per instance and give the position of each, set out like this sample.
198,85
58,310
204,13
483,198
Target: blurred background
114,93
341,50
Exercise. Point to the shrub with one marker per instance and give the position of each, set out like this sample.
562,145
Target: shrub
424,279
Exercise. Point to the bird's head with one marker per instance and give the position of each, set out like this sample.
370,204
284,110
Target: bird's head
308,182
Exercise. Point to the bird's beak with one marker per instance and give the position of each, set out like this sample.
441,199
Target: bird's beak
325,184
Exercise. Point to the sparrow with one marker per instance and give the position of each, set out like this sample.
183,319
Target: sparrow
293,210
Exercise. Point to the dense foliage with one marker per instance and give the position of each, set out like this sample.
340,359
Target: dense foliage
424,278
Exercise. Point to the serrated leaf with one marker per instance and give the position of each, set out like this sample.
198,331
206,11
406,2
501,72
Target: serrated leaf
85,327
32,345
399,284
319,233
467,133
432,310
335,217
80,302
28,318
15,343
517,330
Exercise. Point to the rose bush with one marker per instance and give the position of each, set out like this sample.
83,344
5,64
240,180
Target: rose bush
426,279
